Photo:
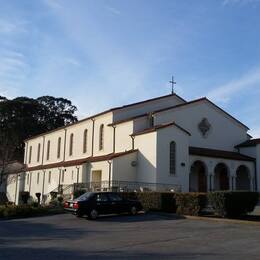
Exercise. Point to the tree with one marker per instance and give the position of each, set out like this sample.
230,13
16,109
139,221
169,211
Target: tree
57,112
24,117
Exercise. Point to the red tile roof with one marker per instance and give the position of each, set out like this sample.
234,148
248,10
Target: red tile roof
107,111
157,127
252,142
79,161
219,154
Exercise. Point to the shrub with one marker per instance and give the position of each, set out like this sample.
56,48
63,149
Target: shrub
53,194
190,203
233,203
157,201
78,193
22,211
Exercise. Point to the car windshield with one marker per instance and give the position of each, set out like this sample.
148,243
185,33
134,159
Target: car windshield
85,196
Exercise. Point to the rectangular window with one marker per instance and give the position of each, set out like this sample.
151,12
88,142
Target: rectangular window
38,177
49,177
38,152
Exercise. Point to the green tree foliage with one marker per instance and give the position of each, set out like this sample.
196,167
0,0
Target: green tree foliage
23,117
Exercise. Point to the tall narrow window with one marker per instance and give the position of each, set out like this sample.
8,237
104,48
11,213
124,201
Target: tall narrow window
58,147
85,140
30,154
71,144
172,157
101,137
38,177
48,150
49,177
38,152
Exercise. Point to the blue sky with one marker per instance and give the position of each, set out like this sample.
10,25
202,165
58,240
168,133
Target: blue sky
105,53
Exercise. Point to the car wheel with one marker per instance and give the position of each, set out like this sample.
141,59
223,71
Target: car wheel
93,214
133,210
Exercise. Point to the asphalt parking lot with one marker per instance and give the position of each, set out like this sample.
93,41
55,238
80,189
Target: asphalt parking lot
122,237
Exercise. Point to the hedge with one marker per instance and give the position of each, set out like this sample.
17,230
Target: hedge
190,203
12,211
233,203
155,201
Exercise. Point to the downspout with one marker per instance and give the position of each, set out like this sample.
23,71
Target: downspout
43,184
93,135
64,149
133,142
256,188
43,149
30,183
26,151
109,174
114,138
16,187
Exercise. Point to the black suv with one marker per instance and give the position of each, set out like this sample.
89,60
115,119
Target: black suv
94,203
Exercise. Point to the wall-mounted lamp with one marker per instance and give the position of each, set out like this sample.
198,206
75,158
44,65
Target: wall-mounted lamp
183,164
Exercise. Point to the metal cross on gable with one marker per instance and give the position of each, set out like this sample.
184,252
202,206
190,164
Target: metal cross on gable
173,83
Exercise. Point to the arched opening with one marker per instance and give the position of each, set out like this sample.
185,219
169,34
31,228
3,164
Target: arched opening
198,177
243,178
221,179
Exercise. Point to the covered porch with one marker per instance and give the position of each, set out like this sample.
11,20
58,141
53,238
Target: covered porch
214,170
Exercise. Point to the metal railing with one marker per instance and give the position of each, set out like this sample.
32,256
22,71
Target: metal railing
120,186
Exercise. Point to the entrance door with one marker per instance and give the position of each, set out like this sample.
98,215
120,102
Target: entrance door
96,179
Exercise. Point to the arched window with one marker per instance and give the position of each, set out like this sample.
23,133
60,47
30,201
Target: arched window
48,150
71,144
30,154
172,157
38,152
101,137
58,148
85,140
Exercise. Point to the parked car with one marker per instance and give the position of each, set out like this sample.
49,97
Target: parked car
93,204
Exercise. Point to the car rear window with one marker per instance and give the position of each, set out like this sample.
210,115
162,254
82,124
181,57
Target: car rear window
85,196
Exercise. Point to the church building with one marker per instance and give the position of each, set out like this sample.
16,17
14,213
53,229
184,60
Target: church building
164,143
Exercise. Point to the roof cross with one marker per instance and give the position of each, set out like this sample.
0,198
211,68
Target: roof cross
173,83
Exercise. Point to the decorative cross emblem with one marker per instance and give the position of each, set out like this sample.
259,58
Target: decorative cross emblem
204,126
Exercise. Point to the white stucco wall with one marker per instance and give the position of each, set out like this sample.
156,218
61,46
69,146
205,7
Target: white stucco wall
146,167
164,138
225,133
122,168
123,140
150,106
